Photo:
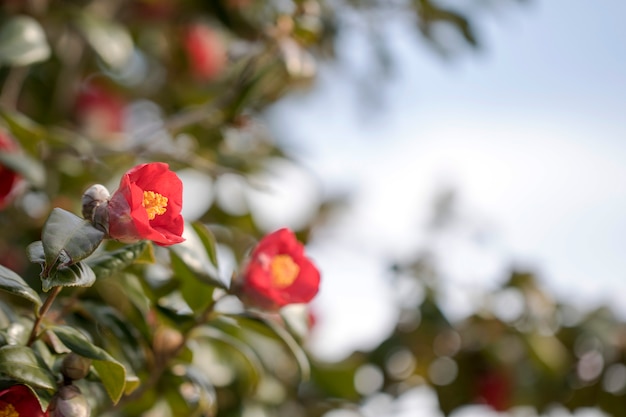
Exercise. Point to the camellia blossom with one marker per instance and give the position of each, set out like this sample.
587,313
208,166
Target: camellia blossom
279,273
9,179
147,205
19,401
99,111
205,51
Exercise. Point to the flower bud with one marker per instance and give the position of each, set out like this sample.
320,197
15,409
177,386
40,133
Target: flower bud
69,402
166,342
95,201
75,367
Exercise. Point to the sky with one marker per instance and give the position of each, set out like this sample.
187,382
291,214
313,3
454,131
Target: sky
528,132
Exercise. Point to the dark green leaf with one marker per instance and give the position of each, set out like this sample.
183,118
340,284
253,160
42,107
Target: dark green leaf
75,275
113,262
111,372
44,396
68,238
22,42
78,343
27,167
14,284
21,364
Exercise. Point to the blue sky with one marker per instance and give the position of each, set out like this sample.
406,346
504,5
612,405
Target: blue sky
528,131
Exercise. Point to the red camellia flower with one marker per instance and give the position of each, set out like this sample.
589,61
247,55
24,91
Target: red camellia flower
9,179
147,205
99,111
205,51
495,389
19,401
279,273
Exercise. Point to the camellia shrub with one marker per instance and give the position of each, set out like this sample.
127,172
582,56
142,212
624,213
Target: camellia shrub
49,355
112,301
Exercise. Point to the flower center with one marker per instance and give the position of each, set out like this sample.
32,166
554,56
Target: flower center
9,411
154,203
284,270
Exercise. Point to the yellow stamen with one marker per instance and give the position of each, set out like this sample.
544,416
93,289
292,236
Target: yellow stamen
9,411
154,203
284,270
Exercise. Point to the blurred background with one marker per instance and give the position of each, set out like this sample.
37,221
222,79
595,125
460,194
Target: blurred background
520,143
454,166
520,140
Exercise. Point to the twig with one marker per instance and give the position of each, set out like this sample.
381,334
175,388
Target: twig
42,312
12,87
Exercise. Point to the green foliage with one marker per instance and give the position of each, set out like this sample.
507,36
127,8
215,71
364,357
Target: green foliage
21,364
14,284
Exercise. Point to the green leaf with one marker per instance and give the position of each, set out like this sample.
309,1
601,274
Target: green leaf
192,253
26,166
109,39
14,284
234,345
208,240
197,294
67,238
132,383
43,396
23,42
27,130
276,331
111,263
75,275
35,252
111,372
21,364
113,377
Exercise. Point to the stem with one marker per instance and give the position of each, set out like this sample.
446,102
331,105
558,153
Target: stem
12,87
42,312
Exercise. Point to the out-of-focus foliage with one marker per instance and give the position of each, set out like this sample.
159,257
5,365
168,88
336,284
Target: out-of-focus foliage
91,88
521,348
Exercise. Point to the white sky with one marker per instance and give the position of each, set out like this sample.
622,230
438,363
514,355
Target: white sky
529,131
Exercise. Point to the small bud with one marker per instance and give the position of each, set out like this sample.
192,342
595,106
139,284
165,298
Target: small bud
75,367
166,342
69,402
95,201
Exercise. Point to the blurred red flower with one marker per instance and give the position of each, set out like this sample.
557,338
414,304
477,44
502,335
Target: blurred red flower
99,111
9,179
147,205
205,51
19,401
495,389
279,273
